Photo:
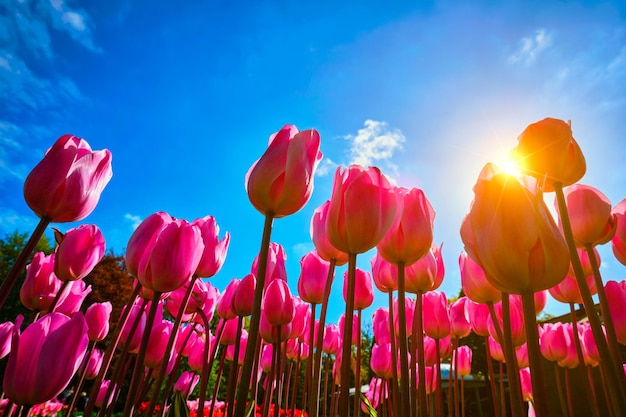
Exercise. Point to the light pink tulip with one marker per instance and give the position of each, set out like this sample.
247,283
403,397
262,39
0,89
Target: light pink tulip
459,325
554,342
225,303
281,181
142,240
79,252
385,275
616,298
215,250
323,246
66,185
478,315
436,318
474,282
276,269
41,284
427,273
363,291
313,277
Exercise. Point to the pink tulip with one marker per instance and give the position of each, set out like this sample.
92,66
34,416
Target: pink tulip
385,275
296,348
6,333
41,285
142,240
380,360
281,181
313,277
332,340
567,290
591,354
495,349
186,383
554,342
66,185
91,364
511,234
97,317
34,374
478,315
427,273
540,300
229,334
362,209
518,333
225,303
173,259
474,282
618,242
445,347
79,252
521,355
301,317
137,313
74,299
616,299
526,383
430,351
380,326
462,358
411,235
267,354
102,392
198,297
270,333
459,325
409,313
230,350
276,269
376,393
215,250
323,246
355,329
571,360
159,335
197,356
436,318
277,304
363,291
243,297
590,215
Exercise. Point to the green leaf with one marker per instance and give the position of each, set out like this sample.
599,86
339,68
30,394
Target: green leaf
179,406
368,405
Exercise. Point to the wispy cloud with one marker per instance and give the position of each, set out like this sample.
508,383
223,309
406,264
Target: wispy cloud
133,219
375,144
11,221
326,166
530,47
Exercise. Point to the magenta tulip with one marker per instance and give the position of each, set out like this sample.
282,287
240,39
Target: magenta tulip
478,316
6,333
215,250
301,317
323,246
332,339
186,383
427,273
526,383
363,291
230,350
411,234
362,209
225,303
462,359
280,183
159,335
173,259
554,341
243,296
79,252
34,374
41,284
278,305
380,326
133,339
229,334
102,392
380,360
618,242
518,333
91,364
436,318
313,276
198,298
270,333
74,299
66,185
97,317
142,240
276,268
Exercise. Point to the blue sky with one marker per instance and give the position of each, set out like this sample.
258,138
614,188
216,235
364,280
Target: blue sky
185,96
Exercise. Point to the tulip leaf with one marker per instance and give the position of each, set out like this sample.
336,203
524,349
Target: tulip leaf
250,409
179,406
371,411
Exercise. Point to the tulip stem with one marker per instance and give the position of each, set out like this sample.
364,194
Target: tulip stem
20,262
492,382
346,348
405,399
393,389
253,330
534,355
357,370
614,374
604,307
422,404
204,377
314,395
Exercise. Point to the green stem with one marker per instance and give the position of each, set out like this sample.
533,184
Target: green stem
614,374
253,332
18,267
534,355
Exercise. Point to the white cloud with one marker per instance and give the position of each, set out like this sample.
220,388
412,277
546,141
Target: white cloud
133,219
326,166
530,47
376,142
11,221
301,249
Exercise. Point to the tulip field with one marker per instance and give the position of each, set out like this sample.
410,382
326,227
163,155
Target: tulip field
183,347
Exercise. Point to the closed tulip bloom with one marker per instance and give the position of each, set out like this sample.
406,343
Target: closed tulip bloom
66,184
102,392
459,324
411,234
474,282
230,350
215,250
616,299
618,242
281,181
79,252
590,215
363,291
133,339
159,335
380,326
548,151
436,318
362,209
225,303
91,364
243,297
478,315
229,334
301,317
495,349
270,333
209,305
34,374
173,259
267,353
518,333
6,333
186,383
198,297
526,383
196,355
278,303
313,277
462,358
430,351
426,274
409,313
512,235
380,360
319,237
74,299
521,355
276,269
554,341
567,291
143,238
332,339
297,348
41,284
591,354
384,274
97,317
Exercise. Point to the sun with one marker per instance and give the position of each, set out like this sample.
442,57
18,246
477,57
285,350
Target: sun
510,167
